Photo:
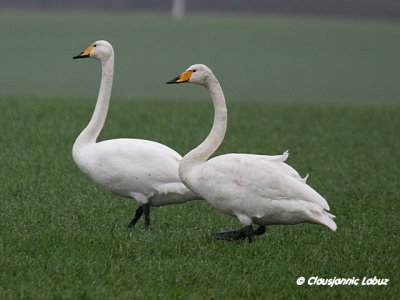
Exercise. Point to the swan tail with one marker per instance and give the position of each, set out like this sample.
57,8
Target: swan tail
330,215
326,219
317,214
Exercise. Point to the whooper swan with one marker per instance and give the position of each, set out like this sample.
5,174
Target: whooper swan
144,170
257,189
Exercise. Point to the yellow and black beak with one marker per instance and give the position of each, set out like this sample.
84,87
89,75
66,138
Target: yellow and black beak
85,53
183,77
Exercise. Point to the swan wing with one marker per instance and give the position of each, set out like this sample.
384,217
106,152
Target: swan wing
246,176
290,171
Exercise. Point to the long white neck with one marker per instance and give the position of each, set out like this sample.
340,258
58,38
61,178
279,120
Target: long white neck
91,132
214,139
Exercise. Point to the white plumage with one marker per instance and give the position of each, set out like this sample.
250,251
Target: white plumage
144,170
257,189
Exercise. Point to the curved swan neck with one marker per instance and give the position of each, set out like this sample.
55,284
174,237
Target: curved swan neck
91,132
214,139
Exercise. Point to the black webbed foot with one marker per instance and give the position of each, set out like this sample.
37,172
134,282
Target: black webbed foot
260,230
230,235
241,234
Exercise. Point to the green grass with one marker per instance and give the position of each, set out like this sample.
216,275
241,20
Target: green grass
62,237
263,58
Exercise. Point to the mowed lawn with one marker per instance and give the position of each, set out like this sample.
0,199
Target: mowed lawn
63,237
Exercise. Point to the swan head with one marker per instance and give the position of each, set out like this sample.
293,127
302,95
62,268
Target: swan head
197,74
99,50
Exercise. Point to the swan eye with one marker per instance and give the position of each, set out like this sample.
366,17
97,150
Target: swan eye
194,71
94,45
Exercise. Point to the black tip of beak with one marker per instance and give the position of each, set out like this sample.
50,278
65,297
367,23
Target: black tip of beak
173,80
80,56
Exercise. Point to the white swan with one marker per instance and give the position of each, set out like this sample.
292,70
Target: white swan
257,189
144,170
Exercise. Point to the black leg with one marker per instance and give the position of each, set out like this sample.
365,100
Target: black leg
136,217
146,210
249,233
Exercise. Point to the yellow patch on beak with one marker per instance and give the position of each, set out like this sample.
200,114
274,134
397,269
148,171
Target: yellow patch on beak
87,51
185,76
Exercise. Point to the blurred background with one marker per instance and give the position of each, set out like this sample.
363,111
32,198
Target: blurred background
334,51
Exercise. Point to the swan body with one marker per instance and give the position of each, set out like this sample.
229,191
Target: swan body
144,170
257,189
